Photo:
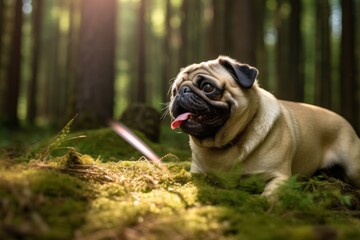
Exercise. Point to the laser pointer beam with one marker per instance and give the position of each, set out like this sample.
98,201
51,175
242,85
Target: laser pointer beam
136,142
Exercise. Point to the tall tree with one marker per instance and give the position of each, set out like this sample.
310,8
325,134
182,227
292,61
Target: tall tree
166,74
323,55
184,33
216,30
261,54
59,87
141,89
349,105
95,83
72,53
296,51
228,27
244,32
289,51
32,91
357,26
194,31
11,94
53,89
231,30
282,51
2,20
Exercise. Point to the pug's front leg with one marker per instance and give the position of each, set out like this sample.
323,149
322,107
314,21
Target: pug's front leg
273,184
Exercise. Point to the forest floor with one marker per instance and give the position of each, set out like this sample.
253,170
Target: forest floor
99,187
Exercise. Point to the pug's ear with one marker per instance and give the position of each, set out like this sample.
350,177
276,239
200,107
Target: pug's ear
244,74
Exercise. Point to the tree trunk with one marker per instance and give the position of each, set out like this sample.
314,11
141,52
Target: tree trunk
32,94
244,33
166,69
260,49
61,79
52,94
357,64
323,55
289,51
296,53
11,94
217,29
210,31
228,33
141,88
49,56
348,65
282,52
184,33
195,40
95,83
2,20
72,56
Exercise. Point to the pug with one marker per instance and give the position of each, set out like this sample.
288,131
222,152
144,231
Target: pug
232,121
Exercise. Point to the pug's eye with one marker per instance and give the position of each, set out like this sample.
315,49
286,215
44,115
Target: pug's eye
208,88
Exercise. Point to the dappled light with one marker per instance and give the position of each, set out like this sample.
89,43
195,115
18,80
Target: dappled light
164,119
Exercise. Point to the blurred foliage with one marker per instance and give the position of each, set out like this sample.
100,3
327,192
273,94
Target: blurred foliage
61,22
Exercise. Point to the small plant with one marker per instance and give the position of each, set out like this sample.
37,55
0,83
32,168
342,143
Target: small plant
60,138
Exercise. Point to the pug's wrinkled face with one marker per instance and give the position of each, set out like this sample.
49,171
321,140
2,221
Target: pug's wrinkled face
196,106
201,99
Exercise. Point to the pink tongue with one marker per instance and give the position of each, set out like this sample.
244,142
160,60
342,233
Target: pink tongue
180,119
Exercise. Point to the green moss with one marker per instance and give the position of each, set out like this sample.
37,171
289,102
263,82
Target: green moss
47,200
74,193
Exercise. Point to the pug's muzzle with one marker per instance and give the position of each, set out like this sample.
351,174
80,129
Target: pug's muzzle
196,113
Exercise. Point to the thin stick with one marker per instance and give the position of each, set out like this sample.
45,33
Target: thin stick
136,142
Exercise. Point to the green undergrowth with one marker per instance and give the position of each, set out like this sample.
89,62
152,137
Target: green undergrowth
111,147
99,187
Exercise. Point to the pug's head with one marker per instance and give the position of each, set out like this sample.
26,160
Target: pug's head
212,98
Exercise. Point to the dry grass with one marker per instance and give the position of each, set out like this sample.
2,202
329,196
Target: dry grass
77,196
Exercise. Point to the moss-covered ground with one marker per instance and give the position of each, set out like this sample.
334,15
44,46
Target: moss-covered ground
99,187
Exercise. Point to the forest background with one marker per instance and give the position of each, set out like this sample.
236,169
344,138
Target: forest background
95,58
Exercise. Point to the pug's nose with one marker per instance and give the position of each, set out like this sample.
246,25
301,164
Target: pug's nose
184,90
